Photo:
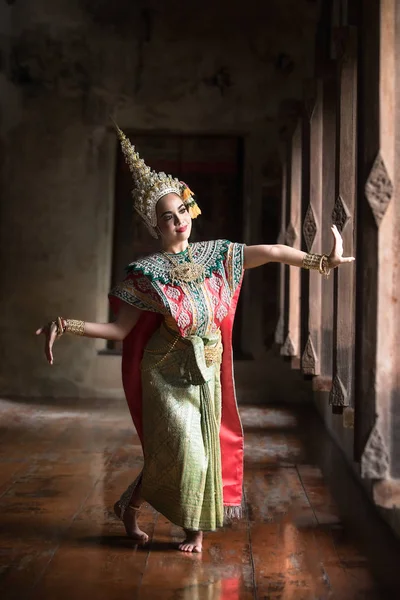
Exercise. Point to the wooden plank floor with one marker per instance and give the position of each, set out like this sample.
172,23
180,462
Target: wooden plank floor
309,532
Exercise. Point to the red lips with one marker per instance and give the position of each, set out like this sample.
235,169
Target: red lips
182,229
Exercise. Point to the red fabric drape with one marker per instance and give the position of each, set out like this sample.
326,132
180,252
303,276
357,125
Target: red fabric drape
231,434
132,354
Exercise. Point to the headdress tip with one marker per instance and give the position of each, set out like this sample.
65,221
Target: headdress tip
117,128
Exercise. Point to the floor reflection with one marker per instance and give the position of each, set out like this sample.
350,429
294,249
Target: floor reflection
62,467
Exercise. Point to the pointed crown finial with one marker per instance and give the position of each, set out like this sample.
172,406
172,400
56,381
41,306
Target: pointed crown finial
150,186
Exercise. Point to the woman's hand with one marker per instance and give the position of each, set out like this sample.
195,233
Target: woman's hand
116,331
336,257
255,256
50,333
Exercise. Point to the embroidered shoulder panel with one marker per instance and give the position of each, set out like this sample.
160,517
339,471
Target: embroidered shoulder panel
140,292
234,265
157,266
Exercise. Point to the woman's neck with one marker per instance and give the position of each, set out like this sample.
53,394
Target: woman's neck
175,248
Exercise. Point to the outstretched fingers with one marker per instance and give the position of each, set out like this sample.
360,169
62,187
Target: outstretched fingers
50,333
336,257
337,249
49,344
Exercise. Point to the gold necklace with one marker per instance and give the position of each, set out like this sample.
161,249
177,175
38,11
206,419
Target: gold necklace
190,272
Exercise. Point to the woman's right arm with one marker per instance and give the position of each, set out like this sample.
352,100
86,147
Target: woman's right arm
117,331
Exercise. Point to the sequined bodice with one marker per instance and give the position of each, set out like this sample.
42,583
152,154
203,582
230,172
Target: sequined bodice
191,308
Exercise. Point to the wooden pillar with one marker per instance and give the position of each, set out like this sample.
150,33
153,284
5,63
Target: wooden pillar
291,346
324,381
312,217
280,328
286,345
341,395
377,348
395,408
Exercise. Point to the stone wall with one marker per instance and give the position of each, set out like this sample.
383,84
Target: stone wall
66,65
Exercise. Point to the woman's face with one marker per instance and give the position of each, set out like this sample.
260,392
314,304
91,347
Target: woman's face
173,219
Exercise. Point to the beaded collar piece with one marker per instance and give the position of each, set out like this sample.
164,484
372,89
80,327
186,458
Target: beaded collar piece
185,272
209,256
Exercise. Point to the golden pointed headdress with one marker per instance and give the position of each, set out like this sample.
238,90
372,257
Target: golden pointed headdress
150,186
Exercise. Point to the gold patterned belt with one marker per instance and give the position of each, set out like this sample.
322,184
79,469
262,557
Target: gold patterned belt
212,352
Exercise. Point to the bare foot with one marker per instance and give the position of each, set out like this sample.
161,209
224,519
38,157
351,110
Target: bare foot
193,541
132,529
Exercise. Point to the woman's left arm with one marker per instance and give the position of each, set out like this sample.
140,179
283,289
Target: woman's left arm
255,256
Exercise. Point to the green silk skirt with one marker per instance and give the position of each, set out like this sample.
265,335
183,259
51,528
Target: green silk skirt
181,395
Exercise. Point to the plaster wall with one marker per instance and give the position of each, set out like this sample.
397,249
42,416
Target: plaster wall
66,66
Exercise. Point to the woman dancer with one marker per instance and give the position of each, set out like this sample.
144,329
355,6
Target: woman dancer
174,313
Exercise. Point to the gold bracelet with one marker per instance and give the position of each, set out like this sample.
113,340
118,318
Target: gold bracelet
319,262
60,326
74,326
312,261
60,329
323,266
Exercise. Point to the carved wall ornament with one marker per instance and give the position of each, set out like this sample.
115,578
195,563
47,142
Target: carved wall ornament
379,189
291,235
340,214
288,348
309,359
279,331
375,458
310,228
338,395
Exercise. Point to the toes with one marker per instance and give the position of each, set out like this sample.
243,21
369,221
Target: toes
185,548
190,548
141,537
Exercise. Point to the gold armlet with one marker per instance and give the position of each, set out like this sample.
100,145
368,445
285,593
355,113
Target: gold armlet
319,262
75,327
